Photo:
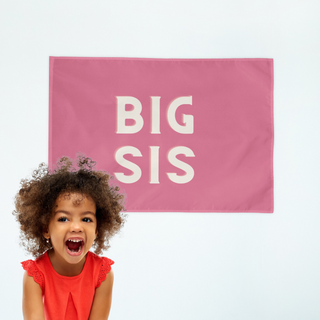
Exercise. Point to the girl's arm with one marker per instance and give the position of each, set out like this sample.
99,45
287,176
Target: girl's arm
102,299
32,305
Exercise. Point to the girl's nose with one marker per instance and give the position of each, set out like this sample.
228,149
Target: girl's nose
76,226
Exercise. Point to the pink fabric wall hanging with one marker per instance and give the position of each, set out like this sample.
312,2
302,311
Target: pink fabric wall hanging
178,134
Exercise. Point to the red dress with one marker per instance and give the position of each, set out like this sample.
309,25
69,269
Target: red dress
68,298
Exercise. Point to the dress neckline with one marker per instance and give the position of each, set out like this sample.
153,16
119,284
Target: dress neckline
67,277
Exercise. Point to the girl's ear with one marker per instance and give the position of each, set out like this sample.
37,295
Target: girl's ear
46,233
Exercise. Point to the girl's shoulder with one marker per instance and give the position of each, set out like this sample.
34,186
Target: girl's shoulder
100,260
101,267
33,268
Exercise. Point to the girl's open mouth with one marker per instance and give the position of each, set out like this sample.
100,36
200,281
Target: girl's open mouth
74,247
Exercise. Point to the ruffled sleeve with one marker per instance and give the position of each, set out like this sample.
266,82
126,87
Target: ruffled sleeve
105,268
33,271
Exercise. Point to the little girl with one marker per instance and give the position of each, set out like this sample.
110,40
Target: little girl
62,214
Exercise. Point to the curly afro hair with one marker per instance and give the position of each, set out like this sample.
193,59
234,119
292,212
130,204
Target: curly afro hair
37,196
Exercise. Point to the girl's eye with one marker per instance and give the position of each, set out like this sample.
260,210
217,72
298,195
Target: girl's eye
87,220
63,219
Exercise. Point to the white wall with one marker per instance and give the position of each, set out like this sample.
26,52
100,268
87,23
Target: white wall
224,266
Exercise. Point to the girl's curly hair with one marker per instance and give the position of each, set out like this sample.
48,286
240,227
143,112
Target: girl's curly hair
37,196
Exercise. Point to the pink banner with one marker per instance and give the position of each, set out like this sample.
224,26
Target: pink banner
178,134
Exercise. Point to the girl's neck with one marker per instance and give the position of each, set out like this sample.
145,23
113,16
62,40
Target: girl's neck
62,267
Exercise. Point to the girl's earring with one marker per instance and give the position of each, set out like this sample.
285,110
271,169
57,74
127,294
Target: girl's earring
47,240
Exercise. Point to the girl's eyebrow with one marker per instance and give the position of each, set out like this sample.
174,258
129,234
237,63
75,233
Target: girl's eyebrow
67,212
